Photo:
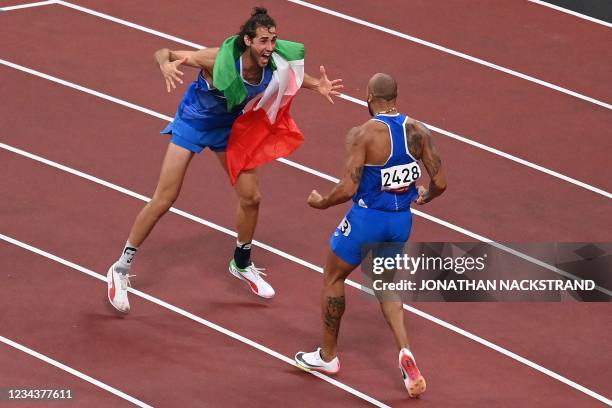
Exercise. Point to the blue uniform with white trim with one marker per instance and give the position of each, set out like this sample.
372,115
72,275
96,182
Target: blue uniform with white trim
381,208
202,119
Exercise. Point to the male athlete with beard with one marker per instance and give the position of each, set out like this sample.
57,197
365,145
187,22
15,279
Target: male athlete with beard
204,119
380,175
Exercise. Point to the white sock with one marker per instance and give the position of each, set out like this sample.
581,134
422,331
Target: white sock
124,263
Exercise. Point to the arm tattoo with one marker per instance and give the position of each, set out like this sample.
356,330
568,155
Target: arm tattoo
333,313
356,174
415,141
433,161
434,166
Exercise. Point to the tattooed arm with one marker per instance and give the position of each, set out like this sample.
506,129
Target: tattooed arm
348,185
422,148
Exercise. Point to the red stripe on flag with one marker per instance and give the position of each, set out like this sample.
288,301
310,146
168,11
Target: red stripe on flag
255,141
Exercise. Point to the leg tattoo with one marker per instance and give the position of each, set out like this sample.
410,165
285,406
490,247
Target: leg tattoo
333,314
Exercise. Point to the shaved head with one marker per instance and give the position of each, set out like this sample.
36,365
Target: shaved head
382,86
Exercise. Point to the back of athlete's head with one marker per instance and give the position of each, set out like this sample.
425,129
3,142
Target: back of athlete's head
259,18
382,86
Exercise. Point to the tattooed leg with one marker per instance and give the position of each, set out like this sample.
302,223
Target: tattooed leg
333,309
333,302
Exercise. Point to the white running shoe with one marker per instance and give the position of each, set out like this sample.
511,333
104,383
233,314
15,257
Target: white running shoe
314,362
252,276
118,284
413,380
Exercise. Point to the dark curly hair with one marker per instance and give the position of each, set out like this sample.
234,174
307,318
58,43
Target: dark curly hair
259,18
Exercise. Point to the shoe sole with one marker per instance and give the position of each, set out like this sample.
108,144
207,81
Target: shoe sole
414,387
109,277
237,275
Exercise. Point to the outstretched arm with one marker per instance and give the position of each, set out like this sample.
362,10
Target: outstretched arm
348,185
323,85
169,62
421,146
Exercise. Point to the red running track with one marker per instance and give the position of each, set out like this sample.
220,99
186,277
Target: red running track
36,212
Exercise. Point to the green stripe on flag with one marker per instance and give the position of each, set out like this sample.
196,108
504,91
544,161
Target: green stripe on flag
228,80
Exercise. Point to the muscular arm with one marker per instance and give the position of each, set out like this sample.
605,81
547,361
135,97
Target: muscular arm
169,61
353,170
198,59
422,148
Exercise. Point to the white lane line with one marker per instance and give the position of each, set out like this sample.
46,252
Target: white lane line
127,23
85,90
359,102
27,5
503,154
453,52
309,265
573,13
298,166
454,136
193,317
315,172
71,370
466,232
512,355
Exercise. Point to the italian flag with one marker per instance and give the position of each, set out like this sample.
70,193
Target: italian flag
266,130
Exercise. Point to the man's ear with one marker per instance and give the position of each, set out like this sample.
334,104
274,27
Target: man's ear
247,40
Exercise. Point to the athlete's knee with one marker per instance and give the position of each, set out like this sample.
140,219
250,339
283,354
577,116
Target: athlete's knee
163,202
250,200
333,276
390,308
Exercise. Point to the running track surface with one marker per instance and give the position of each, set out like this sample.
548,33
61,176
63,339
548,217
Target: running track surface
164,359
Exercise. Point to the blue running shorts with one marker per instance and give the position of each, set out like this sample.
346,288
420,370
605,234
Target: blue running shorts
364,226
196,140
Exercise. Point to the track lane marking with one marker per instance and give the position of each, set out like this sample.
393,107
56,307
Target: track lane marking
306,169
27,5
439,130
503,154
572,12
194,318
309,265
71,370
452,52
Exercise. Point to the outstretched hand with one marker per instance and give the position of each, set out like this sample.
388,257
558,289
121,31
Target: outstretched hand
171,73
328,88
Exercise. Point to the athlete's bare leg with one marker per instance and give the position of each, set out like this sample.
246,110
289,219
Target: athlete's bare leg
394,314
168,188
247,189
333,302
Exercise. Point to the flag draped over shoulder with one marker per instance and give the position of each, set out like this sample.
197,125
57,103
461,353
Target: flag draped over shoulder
265,131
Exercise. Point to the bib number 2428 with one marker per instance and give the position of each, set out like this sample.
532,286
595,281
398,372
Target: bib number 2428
400,177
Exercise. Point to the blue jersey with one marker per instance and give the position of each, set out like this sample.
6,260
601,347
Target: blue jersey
205,108
202,119
390,187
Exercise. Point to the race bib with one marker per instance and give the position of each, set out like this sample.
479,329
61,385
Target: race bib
345,227
399,177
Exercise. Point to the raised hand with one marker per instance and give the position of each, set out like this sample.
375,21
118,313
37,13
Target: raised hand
171,73
328,88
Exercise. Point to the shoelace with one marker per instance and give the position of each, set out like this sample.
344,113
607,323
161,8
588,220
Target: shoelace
124,280
257,271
